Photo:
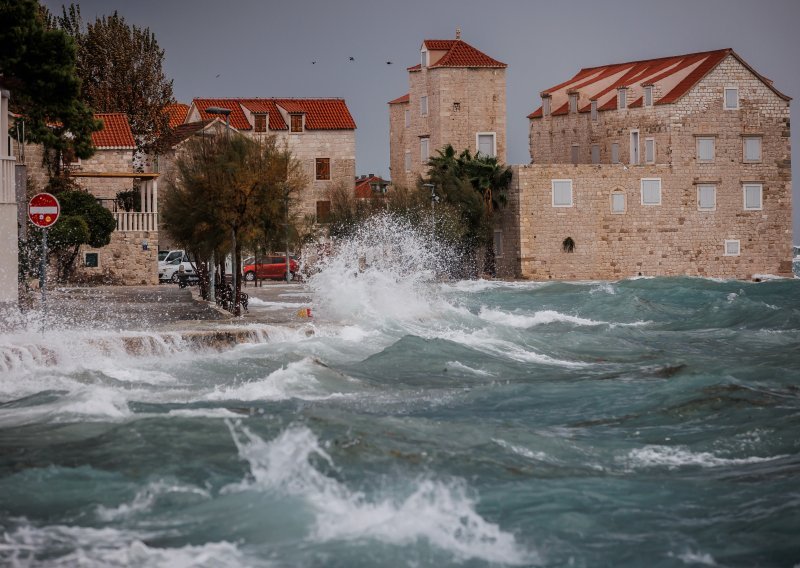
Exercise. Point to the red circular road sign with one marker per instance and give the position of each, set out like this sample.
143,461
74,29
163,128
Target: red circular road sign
43,210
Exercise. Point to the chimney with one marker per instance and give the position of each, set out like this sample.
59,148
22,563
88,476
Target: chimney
458,33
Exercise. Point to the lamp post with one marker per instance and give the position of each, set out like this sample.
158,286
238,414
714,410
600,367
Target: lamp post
434,199
227,113
286,209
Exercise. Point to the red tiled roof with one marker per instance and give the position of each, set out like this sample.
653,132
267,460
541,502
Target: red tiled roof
185,131
364,186
177,113
673,76
460,54
116,132
400,100
321,114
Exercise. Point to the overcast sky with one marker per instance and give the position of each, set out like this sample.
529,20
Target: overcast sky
264,48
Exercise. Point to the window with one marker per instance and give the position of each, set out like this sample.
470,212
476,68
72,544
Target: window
545,106
576,150
408,162
622,98
485,142
752,196
456,107
423,105
595,153
732,248
650,150
705,149
731,98
618,201
568,245
296,122
424,153
259,122
648,95
407,114
90,260
573,103
752,148
423,57
706,197
498,243
323,169
593,107
323,211
651,191
615,153
634,147
562,192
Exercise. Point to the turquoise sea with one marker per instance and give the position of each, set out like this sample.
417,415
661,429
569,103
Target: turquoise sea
415,422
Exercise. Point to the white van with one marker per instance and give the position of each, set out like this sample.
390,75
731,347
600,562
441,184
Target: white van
168,268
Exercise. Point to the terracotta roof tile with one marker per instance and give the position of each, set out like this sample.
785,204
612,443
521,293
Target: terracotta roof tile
363,188
461,54
177,113
675,75
116,132
400,100
185,131
321,114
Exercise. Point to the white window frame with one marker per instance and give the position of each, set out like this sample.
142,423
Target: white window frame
635,158
424,143
615,152
498,253
494,141
713,140
407,117
622,98
647,96
744,149
760,187
641,190
700,187
575,154
618,192
423,105
725,97
593,108
546,106
407,162
652,143
553,183
595,153
731,242
573,103
423,57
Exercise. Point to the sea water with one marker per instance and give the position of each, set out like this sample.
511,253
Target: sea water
418,422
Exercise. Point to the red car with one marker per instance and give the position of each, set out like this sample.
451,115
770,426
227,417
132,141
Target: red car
269,267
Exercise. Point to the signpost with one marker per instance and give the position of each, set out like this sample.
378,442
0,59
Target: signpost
43,211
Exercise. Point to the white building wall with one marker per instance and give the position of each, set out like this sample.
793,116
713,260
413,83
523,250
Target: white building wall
9,257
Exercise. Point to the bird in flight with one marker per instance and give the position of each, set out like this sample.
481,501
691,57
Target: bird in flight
352,59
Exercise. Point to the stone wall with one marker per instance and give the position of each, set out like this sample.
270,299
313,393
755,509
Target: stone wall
670,239
123,260
461,103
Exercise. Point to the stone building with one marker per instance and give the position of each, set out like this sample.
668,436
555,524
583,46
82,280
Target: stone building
671,166
8,210
320,133
457,96
131,257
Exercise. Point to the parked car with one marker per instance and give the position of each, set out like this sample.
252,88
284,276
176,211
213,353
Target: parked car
168,268
269,267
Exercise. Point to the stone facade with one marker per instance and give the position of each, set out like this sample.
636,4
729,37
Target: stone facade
746,203
462,102
124,260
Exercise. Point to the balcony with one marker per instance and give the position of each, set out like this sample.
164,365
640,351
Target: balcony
132,221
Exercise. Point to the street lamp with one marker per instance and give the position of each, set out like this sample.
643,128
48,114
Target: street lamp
286,209
227,113
434,199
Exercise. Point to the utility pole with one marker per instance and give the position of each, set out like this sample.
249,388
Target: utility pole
286,208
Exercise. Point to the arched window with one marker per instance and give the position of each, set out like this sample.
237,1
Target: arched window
568,245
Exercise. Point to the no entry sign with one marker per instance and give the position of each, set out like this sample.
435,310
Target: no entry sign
43,210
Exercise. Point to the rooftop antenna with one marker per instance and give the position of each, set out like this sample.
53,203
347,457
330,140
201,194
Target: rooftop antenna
458,33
